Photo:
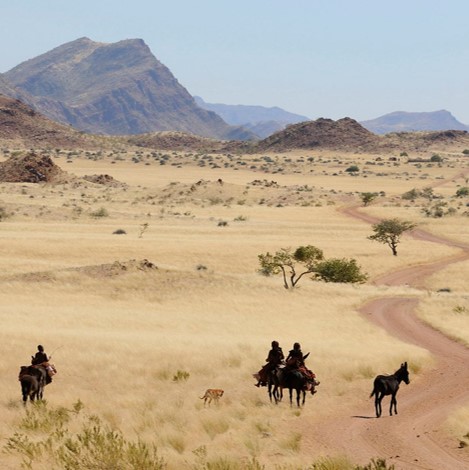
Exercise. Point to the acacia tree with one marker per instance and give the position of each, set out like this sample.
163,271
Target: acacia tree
292,265
389,232
368,197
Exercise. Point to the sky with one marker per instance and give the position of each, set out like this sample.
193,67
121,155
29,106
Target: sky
317,58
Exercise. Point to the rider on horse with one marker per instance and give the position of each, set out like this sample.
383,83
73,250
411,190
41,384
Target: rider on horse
41,359
274,359
296,360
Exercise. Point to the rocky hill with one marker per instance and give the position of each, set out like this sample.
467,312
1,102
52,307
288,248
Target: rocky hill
261,120
21,125
343,134
401,121
118,88
31,168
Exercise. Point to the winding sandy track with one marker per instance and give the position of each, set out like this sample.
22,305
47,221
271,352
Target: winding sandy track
414,439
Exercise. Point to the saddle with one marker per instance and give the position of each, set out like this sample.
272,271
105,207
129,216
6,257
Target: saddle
50,368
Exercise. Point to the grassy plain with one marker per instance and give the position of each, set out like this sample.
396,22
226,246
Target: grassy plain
123,340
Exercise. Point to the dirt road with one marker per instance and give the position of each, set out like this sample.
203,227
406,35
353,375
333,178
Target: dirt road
414,439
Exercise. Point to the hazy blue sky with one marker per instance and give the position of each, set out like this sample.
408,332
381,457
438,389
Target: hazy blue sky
320,58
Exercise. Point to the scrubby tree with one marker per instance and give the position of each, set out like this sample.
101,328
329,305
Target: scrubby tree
293,265
462,192
340,270
368,197
411,195
353,169
389,232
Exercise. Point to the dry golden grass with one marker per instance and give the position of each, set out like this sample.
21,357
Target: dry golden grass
120,340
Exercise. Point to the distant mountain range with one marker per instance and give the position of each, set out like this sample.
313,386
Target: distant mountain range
118,88
261,120
122,89
20,125
401,121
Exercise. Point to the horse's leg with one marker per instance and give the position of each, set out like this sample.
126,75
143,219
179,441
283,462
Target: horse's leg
378,399
298,396
393,403
278,394
304,397
291,396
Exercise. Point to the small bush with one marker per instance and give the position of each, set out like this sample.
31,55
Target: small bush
411,195
340,270
459,309
376,464
436,158
181,376
222,223
99,213
94,446
119,231
462,192
352,169
3,213
437,210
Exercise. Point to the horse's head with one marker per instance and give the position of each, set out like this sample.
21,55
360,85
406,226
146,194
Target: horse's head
403,373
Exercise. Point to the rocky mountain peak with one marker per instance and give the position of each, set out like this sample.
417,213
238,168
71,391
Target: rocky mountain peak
114,88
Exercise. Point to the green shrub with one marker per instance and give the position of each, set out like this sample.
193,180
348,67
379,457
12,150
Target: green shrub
94,446
462,192
340,270
99,213
181,376
411,195
376,464
352,169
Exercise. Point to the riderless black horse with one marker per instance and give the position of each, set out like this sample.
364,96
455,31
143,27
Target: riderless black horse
389,385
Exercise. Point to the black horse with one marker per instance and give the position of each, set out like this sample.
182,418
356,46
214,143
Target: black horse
389,385
293,379
273,385
33,381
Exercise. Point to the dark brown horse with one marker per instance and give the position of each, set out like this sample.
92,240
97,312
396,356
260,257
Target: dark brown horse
33,381
293,379
389,385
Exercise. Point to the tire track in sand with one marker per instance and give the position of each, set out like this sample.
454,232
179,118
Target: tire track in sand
413,439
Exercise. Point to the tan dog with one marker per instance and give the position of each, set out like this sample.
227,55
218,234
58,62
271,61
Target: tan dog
212,394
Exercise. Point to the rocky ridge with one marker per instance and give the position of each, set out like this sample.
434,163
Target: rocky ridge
119,88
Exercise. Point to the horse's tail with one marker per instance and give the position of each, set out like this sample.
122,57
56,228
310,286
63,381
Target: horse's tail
373,392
